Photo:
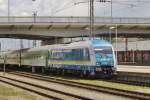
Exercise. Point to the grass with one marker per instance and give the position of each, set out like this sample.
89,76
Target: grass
11,92
108,84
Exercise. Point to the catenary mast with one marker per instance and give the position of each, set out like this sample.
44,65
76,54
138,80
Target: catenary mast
91,19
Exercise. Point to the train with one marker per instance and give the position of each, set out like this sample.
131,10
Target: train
88,58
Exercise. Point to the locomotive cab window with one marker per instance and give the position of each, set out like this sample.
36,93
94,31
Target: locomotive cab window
104,56
103,52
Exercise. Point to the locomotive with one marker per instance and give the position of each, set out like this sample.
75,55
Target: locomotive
91,57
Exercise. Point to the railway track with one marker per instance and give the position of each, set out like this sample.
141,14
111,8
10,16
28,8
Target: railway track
41,90
128,80
132,78
118,92
124,78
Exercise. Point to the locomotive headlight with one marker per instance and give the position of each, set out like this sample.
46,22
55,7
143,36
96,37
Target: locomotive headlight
97,63
98,69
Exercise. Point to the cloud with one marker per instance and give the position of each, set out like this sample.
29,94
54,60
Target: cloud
3,6
128,8
24,14
2,2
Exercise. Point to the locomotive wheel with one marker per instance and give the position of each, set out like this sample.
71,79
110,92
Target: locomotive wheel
81,74
63,72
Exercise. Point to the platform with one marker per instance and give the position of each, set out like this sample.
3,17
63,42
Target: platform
131,68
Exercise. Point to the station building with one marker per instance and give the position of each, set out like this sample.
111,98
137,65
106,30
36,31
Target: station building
136,53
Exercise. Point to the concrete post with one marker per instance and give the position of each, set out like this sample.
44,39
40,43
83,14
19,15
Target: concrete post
33,69
4,65
43,70
126,49
133,53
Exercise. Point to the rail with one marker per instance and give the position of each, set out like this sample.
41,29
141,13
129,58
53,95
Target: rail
38,89
119,92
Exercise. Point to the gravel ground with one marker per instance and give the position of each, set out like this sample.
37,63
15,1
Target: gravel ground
74,90
100,82
8,92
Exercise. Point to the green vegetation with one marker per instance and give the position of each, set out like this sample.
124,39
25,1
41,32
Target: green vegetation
108,84
6,93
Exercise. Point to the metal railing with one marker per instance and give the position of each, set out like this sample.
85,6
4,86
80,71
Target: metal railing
55,19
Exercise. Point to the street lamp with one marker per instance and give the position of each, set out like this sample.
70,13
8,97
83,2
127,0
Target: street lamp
34,19
116,37
110,28
116,44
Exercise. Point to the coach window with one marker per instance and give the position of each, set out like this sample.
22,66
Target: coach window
145,56
139,57
86,54
50,54
77,54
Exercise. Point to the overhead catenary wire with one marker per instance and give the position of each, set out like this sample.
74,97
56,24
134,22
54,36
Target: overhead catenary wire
128,6
133,3
64,6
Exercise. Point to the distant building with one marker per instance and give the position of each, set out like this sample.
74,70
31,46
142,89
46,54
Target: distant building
137,53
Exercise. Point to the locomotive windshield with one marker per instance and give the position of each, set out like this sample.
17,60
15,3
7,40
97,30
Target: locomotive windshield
103,52
104,55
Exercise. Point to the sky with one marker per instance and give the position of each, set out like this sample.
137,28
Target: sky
120,8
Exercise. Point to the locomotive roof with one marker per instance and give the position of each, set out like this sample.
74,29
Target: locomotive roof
56,46
97,42
78,44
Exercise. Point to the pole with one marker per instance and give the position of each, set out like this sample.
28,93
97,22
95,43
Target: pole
0,47
4,64
34,43
28,43
126,48
91,18
110,34
34,20
34,16
21,47
116,44
111,22
82,37
111,11
8,10
133,56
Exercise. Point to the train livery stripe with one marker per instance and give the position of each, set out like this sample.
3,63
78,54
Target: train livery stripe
68,62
